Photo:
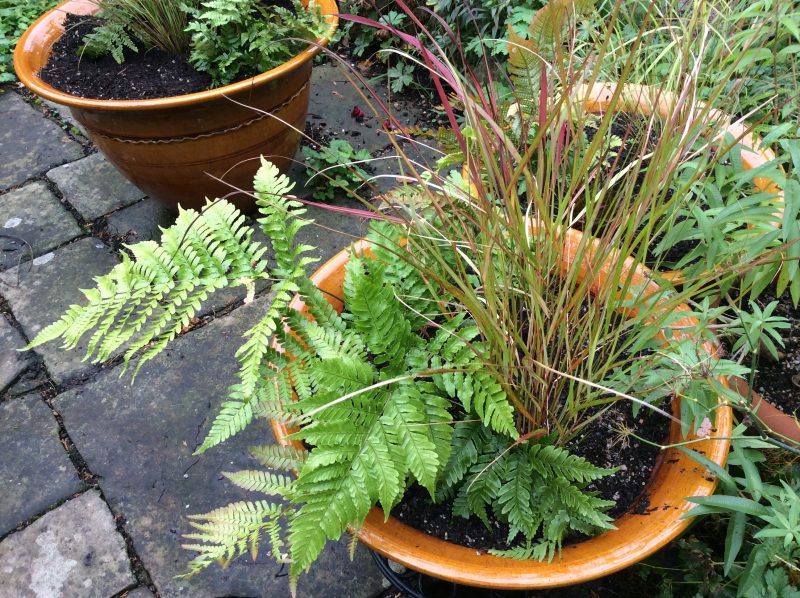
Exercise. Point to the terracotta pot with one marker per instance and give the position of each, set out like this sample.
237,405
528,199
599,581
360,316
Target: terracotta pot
676,477
782,425
168,147
645,100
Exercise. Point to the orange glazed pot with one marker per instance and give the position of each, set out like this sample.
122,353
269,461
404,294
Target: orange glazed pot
783,426
168,147
648,100
676,477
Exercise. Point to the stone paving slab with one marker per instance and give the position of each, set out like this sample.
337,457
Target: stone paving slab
65,113
139,439
12,362
139,593
72,551
35,222
141,221
94,187
330,112
29,143
35,470
40,291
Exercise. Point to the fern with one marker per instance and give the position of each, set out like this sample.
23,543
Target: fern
233,530
465,377
527,58
263,382
372,392
264,482
538,490
148,298
277,456
109,38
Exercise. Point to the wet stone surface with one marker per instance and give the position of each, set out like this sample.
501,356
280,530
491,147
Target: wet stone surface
140,222
65,114
35,470
39,292
29,143
331,116
140,438
12,362
74,550
94,187
33,222
140,592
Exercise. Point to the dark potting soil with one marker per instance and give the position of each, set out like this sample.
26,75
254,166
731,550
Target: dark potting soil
630,128
604,443
779,381
144,74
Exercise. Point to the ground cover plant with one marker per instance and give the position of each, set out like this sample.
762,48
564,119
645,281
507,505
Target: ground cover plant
15,17
474,31
336,169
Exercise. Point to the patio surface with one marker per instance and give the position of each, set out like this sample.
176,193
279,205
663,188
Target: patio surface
97,474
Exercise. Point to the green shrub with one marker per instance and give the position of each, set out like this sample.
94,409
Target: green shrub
331,169
15,17
235,39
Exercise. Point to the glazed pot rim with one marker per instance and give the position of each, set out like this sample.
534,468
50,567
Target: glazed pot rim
784,427
677,477
54,18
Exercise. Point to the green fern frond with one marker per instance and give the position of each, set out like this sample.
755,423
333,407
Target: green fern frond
233,530
376,314
320,309
279,456
538,552
554,462
264,482
409,426
537,490
514,500
465,377
466,444
146,300
109,38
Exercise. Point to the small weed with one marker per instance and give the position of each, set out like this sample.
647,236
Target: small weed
335,168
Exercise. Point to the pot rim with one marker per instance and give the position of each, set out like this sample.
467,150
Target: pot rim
50,26
678,476
782,425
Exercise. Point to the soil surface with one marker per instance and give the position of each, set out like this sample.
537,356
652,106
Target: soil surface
144,75
779,381
604,443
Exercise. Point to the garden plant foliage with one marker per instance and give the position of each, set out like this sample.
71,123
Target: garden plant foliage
468,354
15,17
228,39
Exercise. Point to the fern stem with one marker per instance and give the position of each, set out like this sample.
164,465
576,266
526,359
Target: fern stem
361,391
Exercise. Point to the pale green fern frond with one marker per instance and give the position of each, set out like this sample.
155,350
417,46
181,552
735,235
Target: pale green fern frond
268,394
256,480
146,300
263,381
233,530
279,456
